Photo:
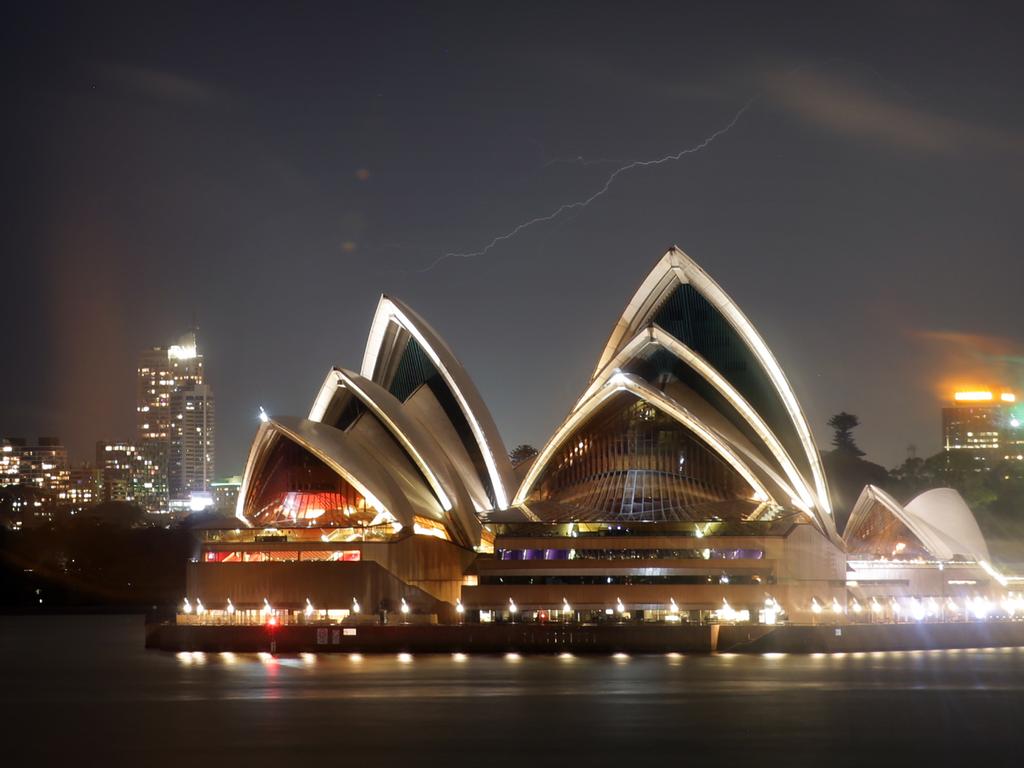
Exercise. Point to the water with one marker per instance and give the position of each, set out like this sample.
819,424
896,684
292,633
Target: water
83,691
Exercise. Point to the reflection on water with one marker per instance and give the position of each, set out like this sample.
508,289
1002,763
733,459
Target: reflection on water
83,691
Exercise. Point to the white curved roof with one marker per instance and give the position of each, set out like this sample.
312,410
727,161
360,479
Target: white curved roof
387,409
485,432
676,268
421,447
945,512
939,518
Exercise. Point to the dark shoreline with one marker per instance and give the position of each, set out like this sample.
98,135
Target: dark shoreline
152,613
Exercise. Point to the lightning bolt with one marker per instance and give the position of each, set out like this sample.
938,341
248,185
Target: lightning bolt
579,160
579,204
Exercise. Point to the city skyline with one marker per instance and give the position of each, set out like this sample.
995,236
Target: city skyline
470,383
860,207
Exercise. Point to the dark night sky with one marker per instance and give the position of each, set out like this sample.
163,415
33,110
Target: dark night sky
274,168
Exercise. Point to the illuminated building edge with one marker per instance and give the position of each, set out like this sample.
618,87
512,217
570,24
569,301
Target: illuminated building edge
676,268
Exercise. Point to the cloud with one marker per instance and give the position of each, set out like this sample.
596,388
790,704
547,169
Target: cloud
163,86
957,360
847,107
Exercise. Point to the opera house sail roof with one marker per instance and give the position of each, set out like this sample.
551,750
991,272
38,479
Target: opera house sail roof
687,418
407,443
936,525
684,479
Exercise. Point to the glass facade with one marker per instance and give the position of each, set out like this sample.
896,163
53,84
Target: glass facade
692,319
631,462
629,554
625,579
293,487
659,367
881,534
283,556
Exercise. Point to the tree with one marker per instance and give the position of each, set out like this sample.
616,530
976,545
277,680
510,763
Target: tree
844,423
521,453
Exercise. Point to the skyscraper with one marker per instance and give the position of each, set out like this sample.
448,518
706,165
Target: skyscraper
42,472
10,463
44,464
161,371
123,468
984,425
190,467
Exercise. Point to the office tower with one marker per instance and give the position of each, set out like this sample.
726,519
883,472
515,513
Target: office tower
85,488
984,425
124,470
44,465
160,372
190,467
10,462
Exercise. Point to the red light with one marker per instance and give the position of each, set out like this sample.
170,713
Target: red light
272,621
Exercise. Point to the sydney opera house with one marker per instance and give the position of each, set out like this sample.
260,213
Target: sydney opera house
683,485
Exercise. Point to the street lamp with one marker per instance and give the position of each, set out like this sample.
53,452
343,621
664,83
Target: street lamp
200,608
566,608
355,606
186,607
512,608
309,610
876,607
405,610
459,608
952,607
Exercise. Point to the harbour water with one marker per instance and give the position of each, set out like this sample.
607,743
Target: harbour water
82,690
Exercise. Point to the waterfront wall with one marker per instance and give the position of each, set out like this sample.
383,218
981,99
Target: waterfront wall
870,637
477,638
533,638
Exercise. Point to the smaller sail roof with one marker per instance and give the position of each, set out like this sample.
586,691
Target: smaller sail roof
946,513
382,354
939,519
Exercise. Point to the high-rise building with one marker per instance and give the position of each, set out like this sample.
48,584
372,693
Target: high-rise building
153,402
225,494
10,463
124,470
190,467
44,464
40,472
161,370
985,425
85,488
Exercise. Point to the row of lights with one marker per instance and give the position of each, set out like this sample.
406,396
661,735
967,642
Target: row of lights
980,607
309,610
918,609
620,608
268,611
